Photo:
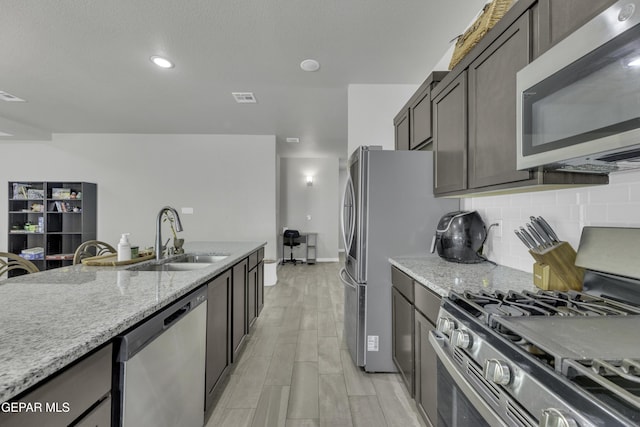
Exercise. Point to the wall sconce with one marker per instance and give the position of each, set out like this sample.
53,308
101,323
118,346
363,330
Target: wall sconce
309,180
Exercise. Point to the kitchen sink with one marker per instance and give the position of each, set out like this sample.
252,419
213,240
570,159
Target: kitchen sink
171,266
198,259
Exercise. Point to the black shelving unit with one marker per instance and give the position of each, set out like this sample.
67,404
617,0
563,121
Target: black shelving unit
56,216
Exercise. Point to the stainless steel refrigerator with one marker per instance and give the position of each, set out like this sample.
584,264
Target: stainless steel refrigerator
388,210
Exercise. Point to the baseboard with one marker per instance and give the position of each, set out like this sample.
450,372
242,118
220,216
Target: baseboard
328,259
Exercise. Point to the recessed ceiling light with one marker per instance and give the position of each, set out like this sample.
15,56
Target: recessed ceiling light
162,62
310,65
5,134
634,63
293,140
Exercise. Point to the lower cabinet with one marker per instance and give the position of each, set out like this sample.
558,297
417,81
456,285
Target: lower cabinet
414,314
238,308
402,319
402,325
79,395
425,371
218,331
252,295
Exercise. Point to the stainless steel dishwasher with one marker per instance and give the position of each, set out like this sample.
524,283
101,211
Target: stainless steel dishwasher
161,367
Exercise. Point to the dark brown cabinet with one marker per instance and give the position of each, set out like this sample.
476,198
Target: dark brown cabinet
414,314
238,308
401,124
413,124
252,296
492,108
559,18
402,325
218,331
260,284
427,305
67,397
450,136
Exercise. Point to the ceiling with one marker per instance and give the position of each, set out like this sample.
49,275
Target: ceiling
83,65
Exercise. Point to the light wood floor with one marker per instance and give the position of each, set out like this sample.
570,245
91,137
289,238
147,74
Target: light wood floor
295,370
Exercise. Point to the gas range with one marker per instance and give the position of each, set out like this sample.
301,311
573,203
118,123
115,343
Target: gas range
543,358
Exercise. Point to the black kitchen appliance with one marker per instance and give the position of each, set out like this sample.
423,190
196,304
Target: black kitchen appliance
459,237
547,358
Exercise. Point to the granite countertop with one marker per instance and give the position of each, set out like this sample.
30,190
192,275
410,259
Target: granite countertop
52,318
442,276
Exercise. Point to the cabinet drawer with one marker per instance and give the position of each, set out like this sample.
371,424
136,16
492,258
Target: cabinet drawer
427,302
253,260
402,282
74,390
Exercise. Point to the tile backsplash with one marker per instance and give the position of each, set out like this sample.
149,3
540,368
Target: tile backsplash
567,211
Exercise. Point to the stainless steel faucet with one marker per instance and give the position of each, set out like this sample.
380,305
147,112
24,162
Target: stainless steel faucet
178,227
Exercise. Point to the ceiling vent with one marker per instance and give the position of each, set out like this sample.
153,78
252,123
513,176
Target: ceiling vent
244,97
293,140
6,96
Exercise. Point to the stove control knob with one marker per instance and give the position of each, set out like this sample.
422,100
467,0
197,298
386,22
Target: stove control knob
552,417
497,371
461,339
446,325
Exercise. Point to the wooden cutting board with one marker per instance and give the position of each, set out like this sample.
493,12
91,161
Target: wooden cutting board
111,260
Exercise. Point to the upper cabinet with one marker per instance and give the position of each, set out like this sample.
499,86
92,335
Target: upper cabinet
492,107
559,18
413,128
473,107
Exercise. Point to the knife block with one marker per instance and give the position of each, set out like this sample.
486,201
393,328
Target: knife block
555,268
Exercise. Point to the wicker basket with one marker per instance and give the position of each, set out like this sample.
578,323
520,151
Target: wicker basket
491,14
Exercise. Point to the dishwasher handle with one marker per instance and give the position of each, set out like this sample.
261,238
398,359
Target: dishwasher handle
176,315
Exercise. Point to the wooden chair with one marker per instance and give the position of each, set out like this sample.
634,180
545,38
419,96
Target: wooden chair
15,262
92,248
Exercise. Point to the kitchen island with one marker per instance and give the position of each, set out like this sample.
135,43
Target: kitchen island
51,319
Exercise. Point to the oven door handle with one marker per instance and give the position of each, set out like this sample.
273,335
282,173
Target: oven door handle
439,343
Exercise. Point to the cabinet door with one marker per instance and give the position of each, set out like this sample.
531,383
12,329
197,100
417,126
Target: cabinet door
401,124
218,322
426,365
492,108
559,18
252,297
260,287
402,337
420,120
238,314
450,136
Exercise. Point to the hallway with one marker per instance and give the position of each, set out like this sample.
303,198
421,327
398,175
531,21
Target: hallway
295,370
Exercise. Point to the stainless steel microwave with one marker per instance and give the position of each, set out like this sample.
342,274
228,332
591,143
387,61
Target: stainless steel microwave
578,106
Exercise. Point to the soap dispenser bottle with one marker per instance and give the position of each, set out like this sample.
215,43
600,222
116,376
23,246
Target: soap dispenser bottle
124,248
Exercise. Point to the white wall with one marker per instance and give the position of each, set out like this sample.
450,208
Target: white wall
567,211
297,200
229,181
371,109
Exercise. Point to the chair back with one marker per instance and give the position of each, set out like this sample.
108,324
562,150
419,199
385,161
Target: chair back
290,236
15,262
92,248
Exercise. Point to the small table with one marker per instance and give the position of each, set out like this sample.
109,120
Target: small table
310,238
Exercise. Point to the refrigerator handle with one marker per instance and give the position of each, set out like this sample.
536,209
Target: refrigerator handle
347,239
345,280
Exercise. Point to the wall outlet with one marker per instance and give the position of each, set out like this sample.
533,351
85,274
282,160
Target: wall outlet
308,217
497,229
